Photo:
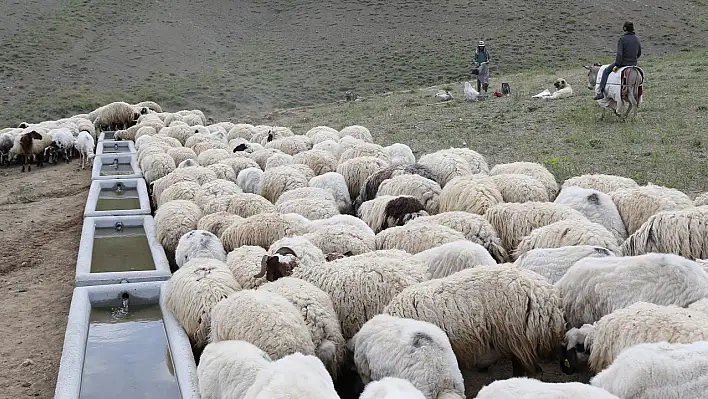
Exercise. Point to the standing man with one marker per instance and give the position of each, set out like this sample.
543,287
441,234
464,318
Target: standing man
481,55
628,52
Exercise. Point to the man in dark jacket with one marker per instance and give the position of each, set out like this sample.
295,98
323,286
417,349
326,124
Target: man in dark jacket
628,52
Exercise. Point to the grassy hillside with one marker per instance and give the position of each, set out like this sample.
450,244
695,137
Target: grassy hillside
234,57
666,144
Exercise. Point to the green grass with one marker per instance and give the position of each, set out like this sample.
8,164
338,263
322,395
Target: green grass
665,144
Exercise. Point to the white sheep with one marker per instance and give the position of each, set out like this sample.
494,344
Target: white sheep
489,312
300,247
474,227
414,239
291,145
227,369
215,189
157,165
391,388
295,376
400,154
63,140
199,244
357,225
217,222
446,166
424,190
194,173
212,156
173,220
319,161
244,205
637,204
310,208
701,199
553,263
594,287
340,238
357,170
331,146
262,229
334,183
319,134
533,169
373,278
514,221
600,182
193,291
657,370
180,154
278,160
249,180
357,132
682,232
418,351
472,194
597,345
278,180
595,205
318,313
520,188
264,319
116,115
364,150
84,144
452,257
522,388
567,232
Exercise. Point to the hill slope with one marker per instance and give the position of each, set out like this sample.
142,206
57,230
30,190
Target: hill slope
233,57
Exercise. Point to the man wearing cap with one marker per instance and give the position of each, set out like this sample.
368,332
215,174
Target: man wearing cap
628,52
481,55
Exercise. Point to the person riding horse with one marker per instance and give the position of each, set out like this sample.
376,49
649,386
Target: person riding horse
481,55
628,52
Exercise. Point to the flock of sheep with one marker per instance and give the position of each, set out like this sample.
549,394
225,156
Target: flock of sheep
300,259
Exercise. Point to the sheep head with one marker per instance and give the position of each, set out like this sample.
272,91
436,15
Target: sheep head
240,147
281,264
402,210
336,255
26,139
575,349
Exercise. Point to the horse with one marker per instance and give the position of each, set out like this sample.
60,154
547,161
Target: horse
624,88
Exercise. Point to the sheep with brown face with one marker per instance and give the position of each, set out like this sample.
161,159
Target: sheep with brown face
279,265
27,144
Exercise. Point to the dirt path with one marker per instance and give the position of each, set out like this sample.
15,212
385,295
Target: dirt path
41,215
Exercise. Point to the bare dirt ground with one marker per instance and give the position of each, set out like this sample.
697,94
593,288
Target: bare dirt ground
41,215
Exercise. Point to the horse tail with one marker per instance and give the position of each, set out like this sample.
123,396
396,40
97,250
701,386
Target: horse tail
633,83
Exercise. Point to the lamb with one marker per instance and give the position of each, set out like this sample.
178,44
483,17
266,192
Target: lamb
600,182
357,170
249,180
390,211
318,313
227,369
682,233
199,244
553,263
657,370
474,227
520,188
515,388
470,194
493,323
84,144
591,287
535,170
193,291
424,190
265,319
413,239
596,206
418,351
391,388
452,257
637,204
599,344
567,232
173,220
294,376
373,278
514,221
63,140
262,229
279,180
334,183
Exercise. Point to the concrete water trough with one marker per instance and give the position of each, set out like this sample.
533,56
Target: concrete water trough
121,342
105,147
115,249
116,166
117,197
106,135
